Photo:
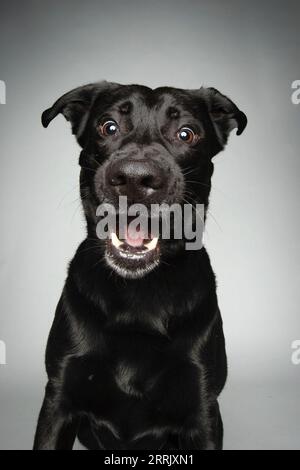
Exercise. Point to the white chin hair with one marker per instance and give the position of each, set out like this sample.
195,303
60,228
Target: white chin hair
130,274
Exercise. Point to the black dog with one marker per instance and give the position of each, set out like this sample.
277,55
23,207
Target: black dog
136,355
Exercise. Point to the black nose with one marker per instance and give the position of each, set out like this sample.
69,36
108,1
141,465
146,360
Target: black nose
135,178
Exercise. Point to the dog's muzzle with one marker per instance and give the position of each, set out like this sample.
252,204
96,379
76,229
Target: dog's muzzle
144,178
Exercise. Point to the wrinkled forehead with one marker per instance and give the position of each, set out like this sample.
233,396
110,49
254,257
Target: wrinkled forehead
144,105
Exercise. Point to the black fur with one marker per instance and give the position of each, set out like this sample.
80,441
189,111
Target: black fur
136,355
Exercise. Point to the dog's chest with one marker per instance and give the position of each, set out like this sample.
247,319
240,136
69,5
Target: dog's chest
125,366
122,386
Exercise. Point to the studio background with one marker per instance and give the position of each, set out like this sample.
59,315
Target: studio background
250,51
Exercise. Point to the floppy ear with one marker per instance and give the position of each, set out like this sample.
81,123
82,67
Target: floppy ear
225,115
74,106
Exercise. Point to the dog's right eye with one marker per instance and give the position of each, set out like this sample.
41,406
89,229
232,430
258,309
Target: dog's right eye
108,128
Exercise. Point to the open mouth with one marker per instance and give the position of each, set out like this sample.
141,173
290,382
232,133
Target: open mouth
132,251
134,245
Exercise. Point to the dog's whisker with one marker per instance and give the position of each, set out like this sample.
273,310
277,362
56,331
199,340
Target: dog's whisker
90,169
195,210
198,182
188,194
94,248
214,219
76,186
209,213
79,205
212,186
189,172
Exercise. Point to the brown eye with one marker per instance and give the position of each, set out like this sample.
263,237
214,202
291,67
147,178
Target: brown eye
109,128
187,135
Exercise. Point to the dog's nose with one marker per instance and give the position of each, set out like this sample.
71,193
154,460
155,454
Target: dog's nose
135,178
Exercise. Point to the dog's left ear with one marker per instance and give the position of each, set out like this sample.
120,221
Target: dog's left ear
224,114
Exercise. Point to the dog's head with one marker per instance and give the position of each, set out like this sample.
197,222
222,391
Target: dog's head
154,146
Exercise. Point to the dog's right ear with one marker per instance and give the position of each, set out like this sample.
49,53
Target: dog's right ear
75,106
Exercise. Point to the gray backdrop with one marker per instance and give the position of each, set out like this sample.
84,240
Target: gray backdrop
250,51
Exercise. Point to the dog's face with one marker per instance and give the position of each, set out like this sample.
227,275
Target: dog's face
152,146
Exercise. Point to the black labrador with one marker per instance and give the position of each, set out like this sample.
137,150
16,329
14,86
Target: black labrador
136,354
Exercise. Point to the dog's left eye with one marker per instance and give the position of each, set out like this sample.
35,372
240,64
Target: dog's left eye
187,135
109,128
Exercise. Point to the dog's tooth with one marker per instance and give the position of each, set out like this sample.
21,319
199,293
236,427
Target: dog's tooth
115,241
152,245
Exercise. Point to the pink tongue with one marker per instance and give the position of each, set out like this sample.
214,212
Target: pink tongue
134,237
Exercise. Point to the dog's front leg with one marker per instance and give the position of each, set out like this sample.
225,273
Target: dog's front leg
56,430
207,435
180,397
